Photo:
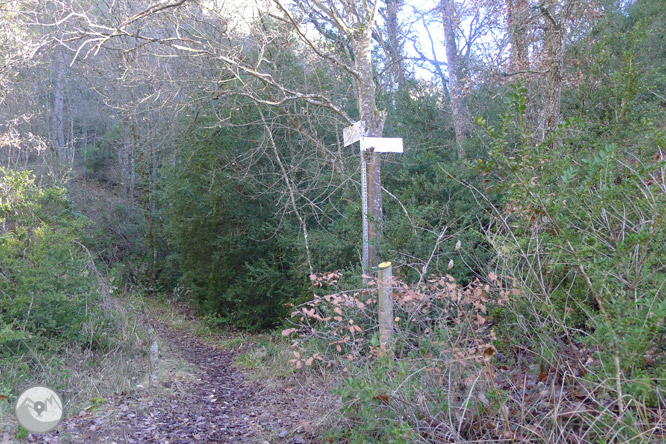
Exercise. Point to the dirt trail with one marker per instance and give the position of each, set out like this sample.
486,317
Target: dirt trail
218,405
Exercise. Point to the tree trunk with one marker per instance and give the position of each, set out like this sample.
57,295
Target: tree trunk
395,42
517,15
57,115
71,152
124,156
374,125
149,211
554,49
458,108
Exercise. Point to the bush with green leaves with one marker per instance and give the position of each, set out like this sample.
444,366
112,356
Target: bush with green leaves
583,231
233,238
49,295
225,245
426,211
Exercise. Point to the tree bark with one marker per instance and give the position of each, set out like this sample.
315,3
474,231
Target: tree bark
517,15
395,42
458,108
554,49
374,124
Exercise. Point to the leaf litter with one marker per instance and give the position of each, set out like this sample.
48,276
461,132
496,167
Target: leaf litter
219,404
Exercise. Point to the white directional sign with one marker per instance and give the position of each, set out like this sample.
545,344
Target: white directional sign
382,144
353,134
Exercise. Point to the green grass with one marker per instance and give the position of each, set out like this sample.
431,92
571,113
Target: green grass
84,377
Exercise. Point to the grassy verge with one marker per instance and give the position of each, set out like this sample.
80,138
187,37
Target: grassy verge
59,322
84,377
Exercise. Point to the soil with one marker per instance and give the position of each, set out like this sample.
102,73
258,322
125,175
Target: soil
220,404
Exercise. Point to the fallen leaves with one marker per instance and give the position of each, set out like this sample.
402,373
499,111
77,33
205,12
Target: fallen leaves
289,331
216,405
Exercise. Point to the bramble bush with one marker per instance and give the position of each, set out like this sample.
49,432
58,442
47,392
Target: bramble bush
564,341
430,384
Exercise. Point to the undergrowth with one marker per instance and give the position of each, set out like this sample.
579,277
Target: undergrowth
562,340
60,320
454,373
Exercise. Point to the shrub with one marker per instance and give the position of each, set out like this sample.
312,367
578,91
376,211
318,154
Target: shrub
429,386
48,290
225,246
582,232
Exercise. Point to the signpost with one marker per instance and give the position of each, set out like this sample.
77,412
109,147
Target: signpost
364,203
355,133
381,144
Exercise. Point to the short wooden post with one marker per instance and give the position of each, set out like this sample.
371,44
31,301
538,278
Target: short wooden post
385,299
154,358
154,362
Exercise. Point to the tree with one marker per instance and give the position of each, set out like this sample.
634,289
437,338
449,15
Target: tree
556,14
517,20
472,39
395,42
57,124
539,32
461,118
356,24
18,105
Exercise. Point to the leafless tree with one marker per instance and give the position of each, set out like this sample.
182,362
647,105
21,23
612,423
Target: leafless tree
471,33
18,103
459,111
538,31
395,49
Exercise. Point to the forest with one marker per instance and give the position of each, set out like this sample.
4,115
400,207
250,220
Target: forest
177,174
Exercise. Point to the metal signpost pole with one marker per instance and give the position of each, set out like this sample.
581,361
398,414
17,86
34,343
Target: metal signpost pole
356,133
364,199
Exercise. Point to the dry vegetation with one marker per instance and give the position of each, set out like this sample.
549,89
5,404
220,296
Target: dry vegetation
84,378
449,378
